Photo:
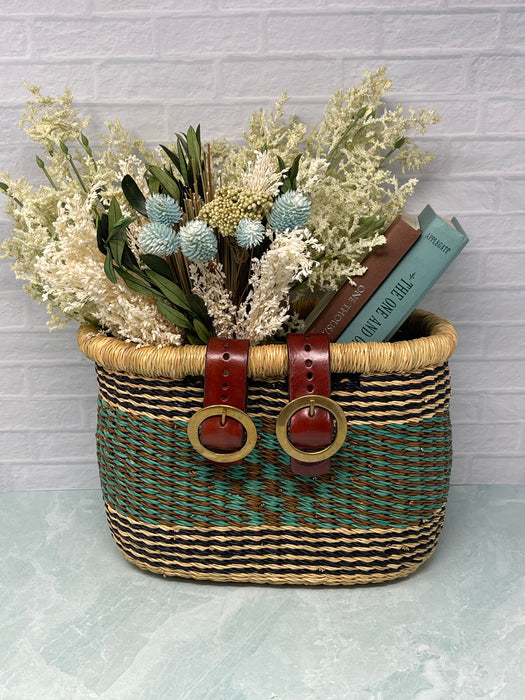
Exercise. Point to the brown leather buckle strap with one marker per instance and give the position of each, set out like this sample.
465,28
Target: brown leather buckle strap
309,439
226,434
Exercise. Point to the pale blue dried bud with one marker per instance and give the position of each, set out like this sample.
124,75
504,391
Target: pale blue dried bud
290,211
197,241
249,232
158,239
163,209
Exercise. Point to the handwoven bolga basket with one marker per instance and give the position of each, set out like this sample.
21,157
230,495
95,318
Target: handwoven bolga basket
375,516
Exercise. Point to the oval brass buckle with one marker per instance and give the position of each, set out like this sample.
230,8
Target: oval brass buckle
311,402
224,412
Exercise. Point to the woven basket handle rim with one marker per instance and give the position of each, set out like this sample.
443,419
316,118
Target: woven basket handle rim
436,342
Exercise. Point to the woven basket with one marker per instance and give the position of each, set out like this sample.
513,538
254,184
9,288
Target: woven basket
376,516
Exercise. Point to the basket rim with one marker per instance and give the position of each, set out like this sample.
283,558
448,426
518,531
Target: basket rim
436,344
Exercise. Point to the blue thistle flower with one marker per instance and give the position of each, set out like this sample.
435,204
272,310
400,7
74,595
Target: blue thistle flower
158,239
163,209
197,241
249,232
291,210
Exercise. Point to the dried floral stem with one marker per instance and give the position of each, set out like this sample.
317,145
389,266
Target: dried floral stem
84,142
174,272
181,276
5,189
225,259
75,170
247,278
69,157
235,271
192,206
43,168
209,191
195,178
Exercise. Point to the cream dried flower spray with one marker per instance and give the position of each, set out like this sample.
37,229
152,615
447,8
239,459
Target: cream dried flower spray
197,240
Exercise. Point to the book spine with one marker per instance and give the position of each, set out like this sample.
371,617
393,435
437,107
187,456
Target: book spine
407,284
335,311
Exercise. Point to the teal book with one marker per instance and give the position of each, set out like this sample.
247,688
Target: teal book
394,300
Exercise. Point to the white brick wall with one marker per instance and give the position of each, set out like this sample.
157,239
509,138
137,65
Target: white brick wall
159,66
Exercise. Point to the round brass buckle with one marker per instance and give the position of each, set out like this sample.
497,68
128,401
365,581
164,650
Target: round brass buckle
311,402
224,412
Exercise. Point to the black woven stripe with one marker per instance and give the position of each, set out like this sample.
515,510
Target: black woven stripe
409,410
162,411
340,382
383,382
231,553
139,395
393,393
157,383
380,388
302,567
147,387
422,393
174,402
289,539
200,554
115,395
276,566
283,543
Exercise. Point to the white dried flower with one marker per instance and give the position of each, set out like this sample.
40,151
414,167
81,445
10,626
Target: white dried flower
209,282
288,260
261,176
81,291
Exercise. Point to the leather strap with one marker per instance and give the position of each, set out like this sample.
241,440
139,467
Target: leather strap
309,373
225,382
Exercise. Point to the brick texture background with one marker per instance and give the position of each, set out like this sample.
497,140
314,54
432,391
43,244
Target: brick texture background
159,66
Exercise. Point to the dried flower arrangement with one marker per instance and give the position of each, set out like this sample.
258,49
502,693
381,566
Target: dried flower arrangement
193,240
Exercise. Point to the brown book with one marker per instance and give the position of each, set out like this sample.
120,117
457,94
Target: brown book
337,308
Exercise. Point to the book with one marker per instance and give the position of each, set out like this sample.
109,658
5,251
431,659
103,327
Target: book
337,308
392,303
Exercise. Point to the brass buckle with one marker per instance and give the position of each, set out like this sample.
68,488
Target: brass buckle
311,401
224,412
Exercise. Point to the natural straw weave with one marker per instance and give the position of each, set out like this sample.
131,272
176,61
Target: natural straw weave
376,516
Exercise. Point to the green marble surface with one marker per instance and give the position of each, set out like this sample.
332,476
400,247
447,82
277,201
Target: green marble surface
77,622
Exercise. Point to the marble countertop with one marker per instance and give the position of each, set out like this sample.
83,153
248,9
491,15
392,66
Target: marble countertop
77,622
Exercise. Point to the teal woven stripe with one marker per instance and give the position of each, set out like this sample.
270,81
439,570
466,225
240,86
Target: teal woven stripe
141,488
149,471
